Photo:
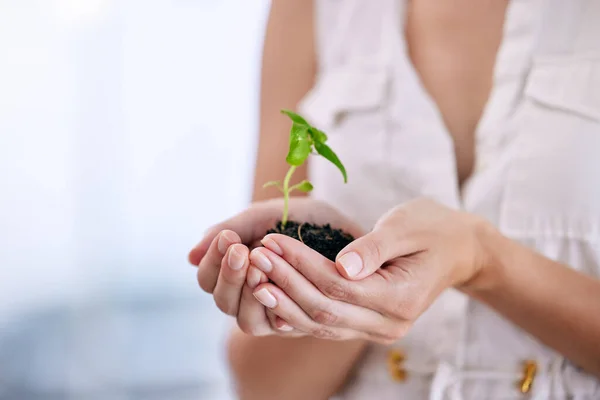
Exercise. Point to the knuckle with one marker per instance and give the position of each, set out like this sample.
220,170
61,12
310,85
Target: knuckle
284,282
323,332
295,260
324,317
336,290
373,249
230,278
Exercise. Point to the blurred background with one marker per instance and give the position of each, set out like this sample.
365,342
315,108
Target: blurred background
127,127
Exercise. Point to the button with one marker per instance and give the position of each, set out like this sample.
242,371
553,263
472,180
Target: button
529,372
395,368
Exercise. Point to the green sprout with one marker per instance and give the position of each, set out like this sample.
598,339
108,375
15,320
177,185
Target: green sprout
304,140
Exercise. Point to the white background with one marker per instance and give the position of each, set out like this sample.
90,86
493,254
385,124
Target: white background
127,127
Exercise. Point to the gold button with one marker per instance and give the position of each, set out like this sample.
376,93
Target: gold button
395,360
529,372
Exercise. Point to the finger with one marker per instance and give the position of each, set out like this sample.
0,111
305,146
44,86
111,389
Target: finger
255,277
280,304
199,251
367,254
318,270
252,318
279,325
315,302
210,265
232,277
373,293
250,224
283,307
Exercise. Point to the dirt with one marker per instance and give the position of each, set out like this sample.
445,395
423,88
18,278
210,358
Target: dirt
321,238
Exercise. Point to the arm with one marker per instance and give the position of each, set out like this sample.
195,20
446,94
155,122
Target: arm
426,248
272,367
288,71
556,304
306,368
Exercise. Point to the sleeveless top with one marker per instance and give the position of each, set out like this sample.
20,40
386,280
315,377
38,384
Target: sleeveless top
537,178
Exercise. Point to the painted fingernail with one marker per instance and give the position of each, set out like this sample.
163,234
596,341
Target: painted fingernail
272,245
261,261
253,278
235,260
285,328
225,240
266,298
352,263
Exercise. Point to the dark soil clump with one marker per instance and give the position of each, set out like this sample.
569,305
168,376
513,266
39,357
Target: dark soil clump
322,238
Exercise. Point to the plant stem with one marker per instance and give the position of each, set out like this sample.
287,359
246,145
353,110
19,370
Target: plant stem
286,195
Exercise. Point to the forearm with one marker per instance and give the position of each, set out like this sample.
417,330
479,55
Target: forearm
276,368
556,304
288,72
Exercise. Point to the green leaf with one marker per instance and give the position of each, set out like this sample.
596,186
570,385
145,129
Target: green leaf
295,117
272,183
304,186
326,152
300,145
317,135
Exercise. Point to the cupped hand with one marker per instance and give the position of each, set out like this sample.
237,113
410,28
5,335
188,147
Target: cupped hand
381,283
223,264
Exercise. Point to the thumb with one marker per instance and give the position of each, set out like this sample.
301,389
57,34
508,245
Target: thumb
368,253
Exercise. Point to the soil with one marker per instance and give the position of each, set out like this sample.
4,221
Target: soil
321,238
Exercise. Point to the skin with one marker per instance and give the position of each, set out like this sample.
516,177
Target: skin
425,248
453,46
287,74
298,366
313,368
293,343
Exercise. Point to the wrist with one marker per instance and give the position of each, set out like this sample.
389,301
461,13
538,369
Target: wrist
493,250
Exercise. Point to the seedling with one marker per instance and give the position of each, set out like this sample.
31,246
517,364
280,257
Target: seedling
305,139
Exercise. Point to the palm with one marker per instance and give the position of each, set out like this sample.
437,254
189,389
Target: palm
303,210
253,223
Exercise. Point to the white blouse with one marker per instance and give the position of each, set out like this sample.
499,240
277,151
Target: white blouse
537,177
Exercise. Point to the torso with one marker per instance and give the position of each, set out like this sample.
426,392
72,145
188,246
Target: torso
408,127
453,46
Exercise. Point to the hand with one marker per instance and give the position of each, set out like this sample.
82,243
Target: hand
390,276
222,258
447,241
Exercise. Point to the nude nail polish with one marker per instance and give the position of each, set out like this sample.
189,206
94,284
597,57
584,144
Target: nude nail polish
266,298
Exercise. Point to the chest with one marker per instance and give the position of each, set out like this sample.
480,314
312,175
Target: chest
539,145
453,45
544,98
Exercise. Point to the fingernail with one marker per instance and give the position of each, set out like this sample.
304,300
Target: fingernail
272,245
225,240
285,328
352,263
261,261
266,298
253,278
235,260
